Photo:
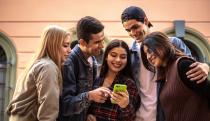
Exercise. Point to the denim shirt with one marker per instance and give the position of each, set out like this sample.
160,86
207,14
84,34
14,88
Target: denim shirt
78,76
135,64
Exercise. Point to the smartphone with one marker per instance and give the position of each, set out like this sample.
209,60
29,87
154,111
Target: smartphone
119,88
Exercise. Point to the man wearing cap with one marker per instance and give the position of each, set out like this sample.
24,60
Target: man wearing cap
137,25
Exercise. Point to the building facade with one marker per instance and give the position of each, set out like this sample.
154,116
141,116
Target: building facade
21,24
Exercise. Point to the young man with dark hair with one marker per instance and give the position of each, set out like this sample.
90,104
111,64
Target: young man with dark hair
79,72
137,25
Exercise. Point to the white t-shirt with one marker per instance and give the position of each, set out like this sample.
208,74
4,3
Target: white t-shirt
148,89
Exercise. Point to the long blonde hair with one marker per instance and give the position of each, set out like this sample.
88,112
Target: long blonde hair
51,40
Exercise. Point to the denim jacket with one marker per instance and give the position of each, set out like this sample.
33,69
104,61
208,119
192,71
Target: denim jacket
135,64
78,76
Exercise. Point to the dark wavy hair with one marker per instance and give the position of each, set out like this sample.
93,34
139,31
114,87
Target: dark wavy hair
88,25
126,71
160,44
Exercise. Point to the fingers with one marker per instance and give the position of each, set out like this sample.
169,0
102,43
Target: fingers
91,117
88,118
104,95
119,95
105,90
199,72
195,76
199,77
100,94
101,97
122,94
194,64
197,66
121,98
193,70
115,97
201,80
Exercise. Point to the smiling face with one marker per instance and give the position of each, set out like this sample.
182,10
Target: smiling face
65,49
95,45
116,59
152,58
136,29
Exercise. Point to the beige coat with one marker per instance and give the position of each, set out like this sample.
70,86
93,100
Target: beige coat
36,98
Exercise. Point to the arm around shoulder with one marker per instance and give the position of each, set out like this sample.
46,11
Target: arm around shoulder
201,88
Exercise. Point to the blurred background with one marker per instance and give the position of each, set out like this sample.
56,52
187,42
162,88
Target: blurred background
22,21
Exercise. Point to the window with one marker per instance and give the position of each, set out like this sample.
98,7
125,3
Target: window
3,68
195,51
196,42
7,73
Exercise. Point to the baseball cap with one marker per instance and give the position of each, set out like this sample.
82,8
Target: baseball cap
134,12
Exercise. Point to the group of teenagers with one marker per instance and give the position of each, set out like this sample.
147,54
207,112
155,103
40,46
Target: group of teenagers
164,82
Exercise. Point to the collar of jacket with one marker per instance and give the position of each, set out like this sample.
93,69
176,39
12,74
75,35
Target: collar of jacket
134,47
80,54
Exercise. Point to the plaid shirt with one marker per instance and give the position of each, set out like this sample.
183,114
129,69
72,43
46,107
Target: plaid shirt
112,112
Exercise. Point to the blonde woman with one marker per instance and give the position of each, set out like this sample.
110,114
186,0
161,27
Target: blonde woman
36,96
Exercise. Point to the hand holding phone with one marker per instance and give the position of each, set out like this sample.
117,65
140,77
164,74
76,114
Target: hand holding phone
119,88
